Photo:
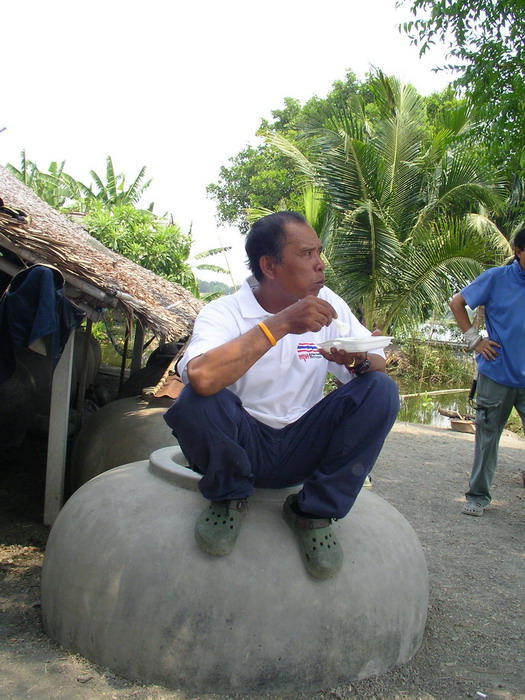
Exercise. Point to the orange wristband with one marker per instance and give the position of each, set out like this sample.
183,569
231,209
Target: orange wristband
267,333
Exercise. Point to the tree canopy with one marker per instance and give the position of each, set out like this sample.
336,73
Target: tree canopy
397,186
405,212
486,46
140,236
256,177
260,177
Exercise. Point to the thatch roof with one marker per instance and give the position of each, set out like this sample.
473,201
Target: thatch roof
95,276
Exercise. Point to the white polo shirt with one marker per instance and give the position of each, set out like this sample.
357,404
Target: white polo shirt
289,379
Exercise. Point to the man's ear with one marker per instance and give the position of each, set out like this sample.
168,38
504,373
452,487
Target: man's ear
267,265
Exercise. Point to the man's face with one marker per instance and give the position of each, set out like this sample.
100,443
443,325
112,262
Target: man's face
301,271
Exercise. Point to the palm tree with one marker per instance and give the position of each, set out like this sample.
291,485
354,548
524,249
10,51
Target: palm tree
409,211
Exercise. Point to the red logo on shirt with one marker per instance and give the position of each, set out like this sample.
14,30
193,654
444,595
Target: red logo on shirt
305,351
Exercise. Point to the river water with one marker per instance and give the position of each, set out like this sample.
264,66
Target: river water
425,407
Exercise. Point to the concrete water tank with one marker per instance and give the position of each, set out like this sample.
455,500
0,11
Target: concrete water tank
40,368
122,431
17,406
125,585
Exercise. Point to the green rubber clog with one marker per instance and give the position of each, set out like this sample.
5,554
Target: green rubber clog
320,551
218,525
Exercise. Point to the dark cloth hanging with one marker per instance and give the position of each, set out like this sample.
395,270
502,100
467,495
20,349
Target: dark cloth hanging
33,306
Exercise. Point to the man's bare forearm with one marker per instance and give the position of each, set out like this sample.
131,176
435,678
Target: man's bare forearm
218,368
458,307
222,366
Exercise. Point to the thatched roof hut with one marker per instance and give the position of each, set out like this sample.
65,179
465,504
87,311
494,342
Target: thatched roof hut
96,279
95,276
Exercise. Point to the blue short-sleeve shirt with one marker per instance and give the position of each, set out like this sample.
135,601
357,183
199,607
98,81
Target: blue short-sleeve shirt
501,290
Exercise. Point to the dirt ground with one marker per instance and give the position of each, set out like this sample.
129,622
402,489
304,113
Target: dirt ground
474,644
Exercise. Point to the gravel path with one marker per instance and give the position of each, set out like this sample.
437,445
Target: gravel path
474,644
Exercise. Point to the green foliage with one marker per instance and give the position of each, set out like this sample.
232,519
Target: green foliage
514,423
63,192
48,186
395,187
215,287
260,178
487,53
331,383
140,236
257,177
410,206
418,361
426,400
113,191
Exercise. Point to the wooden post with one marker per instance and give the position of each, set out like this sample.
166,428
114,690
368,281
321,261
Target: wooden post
138,347
82,383
124,359
58,429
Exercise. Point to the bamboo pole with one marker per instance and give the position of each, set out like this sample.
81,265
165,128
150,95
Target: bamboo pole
434,393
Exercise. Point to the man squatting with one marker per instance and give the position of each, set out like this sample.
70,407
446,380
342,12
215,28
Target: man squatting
252,412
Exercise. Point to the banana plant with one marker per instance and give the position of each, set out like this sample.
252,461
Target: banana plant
114,191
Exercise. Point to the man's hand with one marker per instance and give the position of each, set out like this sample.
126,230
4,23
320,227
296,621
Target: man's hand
351,359
307,314
487,348
341,357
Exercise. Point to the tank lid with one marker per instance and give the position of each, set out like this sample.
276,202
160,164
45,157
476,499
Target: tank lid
169,463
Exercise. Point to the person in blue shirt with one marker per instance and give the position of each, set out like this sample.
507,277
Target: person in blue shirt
500,360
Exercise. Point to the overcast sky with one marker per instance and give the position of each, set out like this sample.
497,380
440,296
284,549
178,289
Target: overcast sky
180,87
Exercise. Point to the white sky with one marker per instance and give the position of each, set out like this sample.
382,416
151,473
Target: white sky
180,87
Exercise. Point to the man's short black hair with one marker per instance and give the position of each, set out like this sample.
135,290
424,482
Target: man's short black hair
519,239
267,237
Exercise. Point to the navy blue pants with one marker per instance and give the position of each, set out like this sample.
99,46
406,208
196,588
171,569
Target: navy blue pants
330,449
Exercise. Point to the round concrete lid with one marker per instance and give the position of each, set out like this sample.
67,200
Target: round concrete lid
169,463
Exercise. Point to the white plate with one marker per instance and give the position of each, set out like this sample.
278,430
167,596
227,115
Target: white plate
350,344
